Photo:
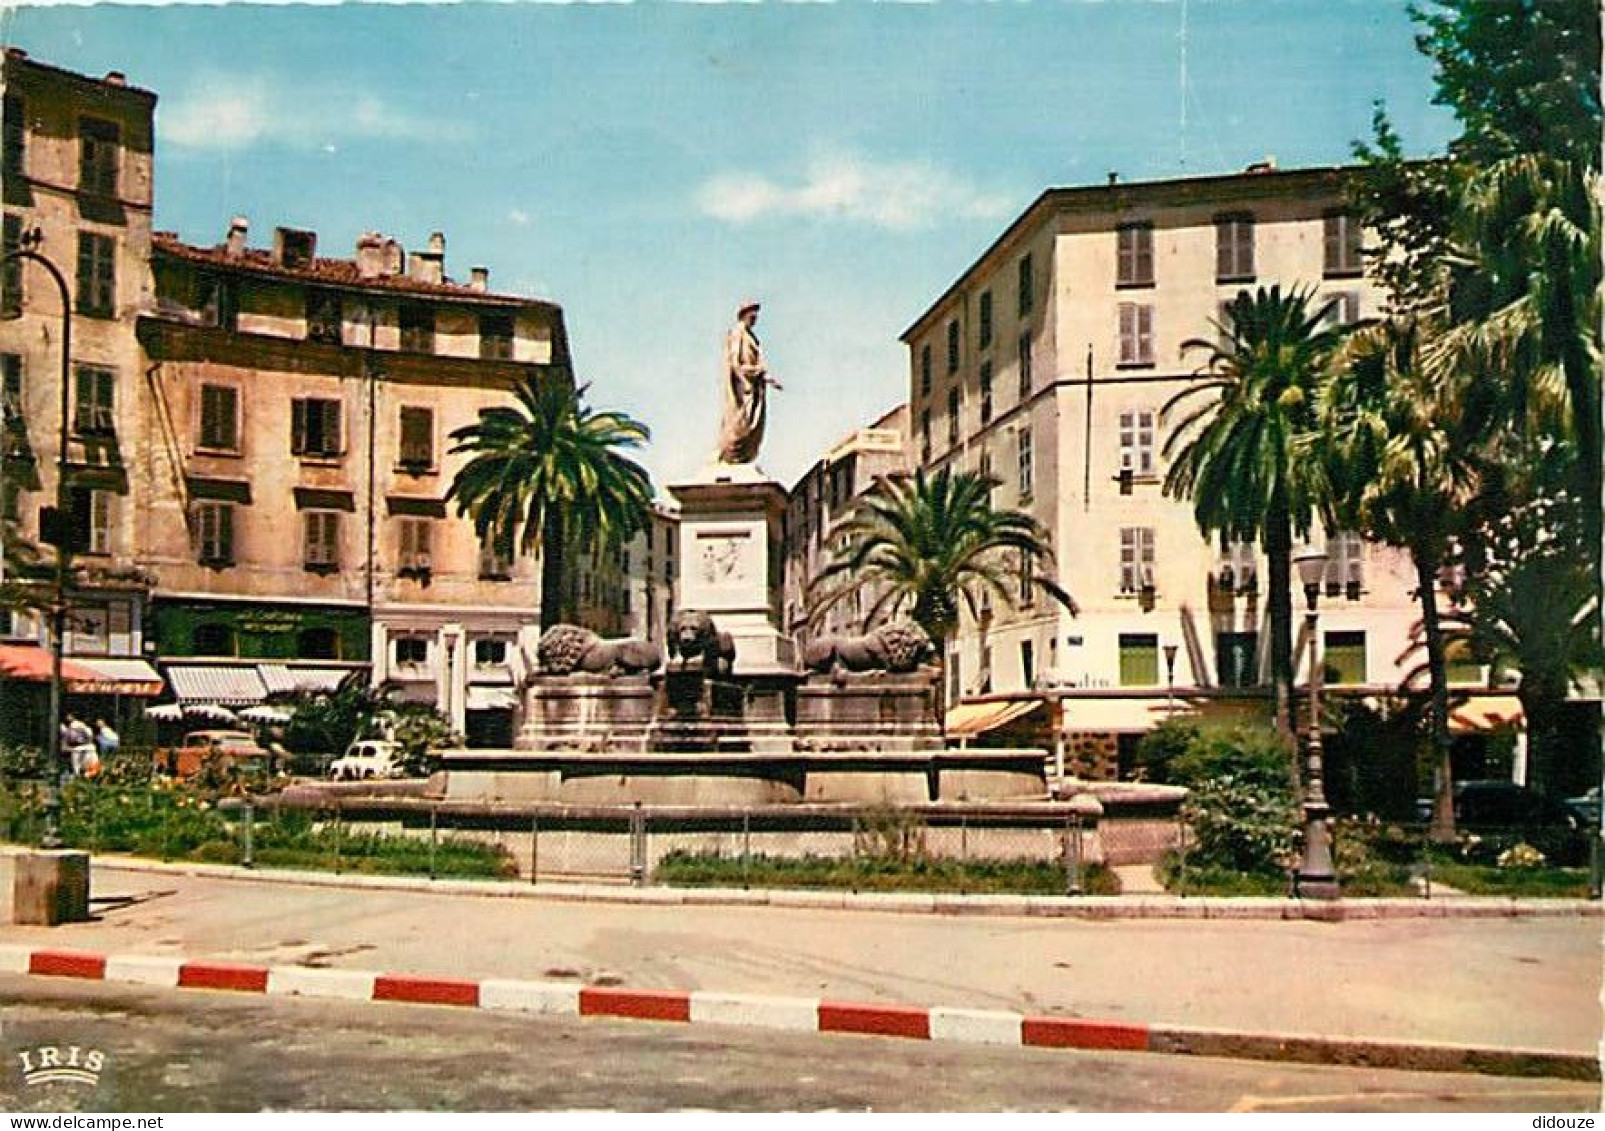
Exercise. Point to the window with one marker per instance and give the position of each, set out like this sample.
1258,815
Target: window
1137,442
417,437
925,371
411,651
99,152
417,327
1027,579
1134,255
1025,366
1026,468
952,418
986,320
221,301
490,653
212,639
1028,666
11,273
1345,565
925,436
1344,657
324,317
1237,658
1139,659
496,337
97,275
1136,558
214,533
11,391
986,392
1343,233
320,539
1343,309
102,511
315,427
95,401
495,564
1234,246
1238,571
13,155
1027,291
953,346
317,643
984,467
1136,334
955,683
220,408
416,541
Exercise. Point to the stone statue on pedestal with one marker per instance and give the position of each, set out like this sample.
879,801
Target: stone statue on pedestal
746,382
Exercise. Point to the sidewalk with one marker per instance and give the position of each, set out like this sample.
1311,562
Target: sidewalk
1493,983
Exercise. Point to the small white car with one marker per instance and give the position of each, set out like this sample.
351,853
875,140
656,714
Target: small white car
367,758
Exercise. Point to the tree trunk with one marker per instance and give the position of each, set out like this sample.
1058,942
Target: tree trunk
1279,560
554,545
1443,786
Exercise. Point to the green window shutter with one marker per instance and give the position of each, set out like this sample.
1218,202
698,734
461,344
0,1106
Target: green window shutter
1139,659
1344,658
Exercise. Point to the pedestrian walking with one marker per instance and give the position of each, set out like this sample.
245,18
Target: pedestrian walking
78,743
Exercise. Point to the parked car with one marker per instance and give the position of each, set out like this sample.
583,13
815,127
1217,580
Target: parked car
1586,806
367,758
223,749
1501,814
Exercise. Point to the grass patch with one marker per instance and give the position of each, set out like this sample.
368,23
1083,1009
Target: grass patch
880,873
1526,883
1179,878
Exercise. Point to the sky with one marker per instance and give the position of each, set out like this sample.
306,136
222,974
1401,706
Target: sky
648,166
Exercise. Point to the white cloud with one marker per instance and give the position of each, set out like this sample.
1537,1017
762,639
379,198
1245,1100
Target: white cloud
235,111
519,217
901,196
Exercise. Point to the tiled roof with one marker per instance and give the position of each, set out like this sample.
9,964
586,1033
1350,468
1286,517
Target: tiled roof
335,272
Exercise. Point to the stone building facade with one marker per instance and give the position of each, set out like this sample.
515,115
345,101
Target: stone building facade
651,575
1047,364
76,175
301,408
827,494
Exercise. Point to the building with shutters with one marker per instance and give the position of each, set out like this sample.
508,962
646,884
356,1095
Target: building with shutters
76,173
298,465
1047,364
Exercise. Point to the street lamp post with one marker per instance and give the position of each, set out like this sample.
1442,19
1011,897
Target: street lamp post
1316,877
28,249
1170,680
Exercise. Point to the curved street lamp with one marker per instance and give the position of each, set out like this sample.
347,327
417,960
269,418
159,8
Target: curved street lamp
1316,878
27,249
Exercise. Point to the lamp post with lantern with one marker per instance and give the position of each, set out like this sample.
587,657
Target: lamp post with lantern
1316,878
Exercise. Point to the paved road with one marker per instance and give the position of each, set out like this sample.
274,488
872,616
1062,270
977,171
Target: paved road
185,1050
1504,982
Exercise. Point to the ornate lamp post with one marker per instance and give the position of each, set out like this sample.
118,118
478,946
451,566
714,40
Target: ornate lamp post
1316,877
28,249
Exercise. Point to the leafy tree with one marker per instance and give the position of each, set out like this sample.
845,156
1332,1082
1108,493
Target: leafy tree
326,723
1236,455
552,473
929,543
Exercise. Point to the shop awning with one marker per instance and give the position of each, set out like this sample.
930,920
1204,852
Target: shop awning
1486,712
488,698
282,679
234,686
31,662
1118,716
970,719
116,676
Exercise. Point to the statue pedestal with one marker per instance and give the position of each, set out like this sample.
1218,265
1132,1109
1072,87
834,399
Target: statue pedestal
731,560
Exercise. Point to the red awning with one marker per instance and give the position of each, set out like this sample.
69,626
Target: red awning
31,662
79,677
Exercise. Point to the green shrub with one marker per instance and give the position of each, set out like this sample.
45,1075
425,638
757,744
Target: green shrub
1240,807
1158,749
880,873
23,763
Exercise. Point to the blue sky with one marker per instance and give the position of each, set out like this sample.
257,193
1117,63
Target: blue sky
649,165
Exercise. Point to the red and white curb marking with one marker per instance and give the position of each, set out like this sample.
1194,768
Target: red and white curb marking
809,1015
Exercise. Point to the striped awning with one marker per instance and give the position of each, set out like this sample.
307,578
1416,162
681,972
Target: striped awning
1119,715
968,719
234,686
1486,712
117,676
282,679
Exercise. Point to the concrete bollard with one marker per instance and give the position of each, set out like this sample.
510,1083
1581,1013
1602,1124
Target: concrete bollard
43,887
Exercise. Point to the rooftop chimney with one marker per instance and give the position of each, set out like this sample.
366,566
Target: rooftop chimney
1114,177
370,255
115,78
1266,166
430,266
479,278
294,248
238,229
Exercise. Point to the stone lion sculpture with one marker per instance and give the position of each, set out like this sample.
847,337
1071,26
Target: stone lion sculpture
694,637
565,649
900,646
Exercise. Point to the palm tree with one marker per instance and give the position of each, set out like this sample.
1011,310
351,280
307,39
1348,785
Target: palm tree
927,544
1396,443
1236,455
552,473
